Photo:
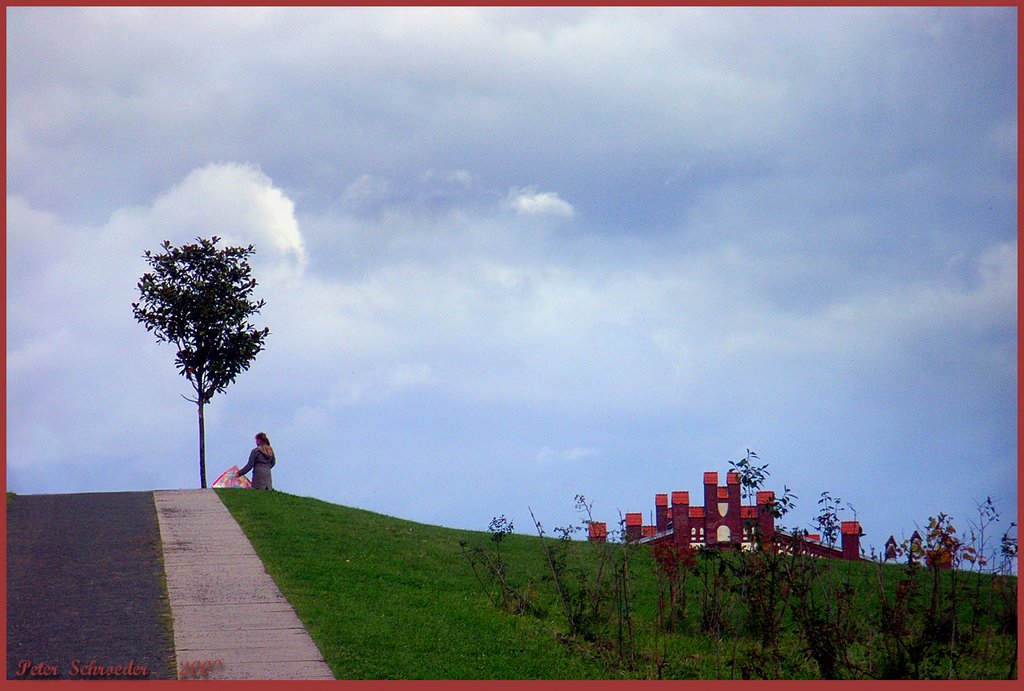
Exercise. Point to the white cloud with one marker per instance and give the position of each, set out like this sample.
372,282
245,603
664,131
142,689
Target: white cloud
528,202
237,202
478,309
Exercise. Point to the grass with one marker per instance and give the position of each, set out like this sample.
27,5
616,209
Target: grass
386,598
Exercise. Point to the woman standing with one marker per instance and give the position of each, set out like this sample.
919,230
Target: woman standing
261,460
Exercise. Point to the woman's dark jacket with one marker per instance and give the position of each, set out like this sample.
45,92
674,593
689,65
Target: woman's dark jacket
260,465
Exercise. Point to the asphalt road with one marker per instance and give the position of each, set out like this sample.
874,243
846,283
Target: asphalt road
85,593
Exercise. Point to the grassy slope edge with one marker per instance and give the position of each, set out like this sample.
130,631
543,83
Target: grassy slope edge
386,598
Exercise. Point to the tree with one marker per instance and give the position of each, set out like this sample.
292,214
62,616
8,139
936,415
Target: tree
198,297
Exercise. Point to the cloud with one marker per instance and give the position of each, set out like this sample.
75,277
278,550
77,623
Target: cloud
380,384
528,202
237,202
496,314
458,178
366,189
574,453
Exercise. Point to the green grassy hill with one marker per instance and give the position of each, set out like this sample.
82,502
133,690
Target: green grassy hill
386,598
390,599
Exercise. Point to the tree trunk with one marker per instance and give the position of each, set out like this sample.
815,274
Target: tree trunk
202,447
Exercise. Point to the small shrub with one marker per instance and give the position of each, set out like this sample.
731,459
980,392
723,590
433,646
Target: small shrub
491,571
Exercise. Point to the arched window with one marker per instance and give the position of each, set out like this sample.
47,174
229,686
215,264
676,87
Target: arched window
724,534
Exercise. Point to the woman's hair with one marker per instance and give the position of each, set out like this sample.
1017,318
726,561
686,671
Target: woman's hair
264,444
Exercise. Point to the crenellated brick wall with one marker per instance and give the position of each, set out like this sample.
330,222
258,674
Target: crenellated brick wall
722,522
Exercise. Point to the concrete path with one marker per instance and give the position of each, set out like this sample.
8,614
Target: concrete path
227,610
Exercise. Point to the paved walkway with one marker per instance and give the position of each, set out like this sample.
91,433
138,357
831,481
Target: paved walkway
227,610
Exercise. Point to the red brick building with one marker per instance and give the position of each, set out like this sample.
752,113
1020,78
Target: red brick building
722,521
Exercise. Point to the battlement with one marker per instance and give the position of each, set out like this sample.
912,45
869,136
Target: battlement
634,526
597,531
724,522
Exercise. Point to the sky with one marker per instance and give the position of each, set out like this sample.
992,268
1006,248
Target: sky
513,255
